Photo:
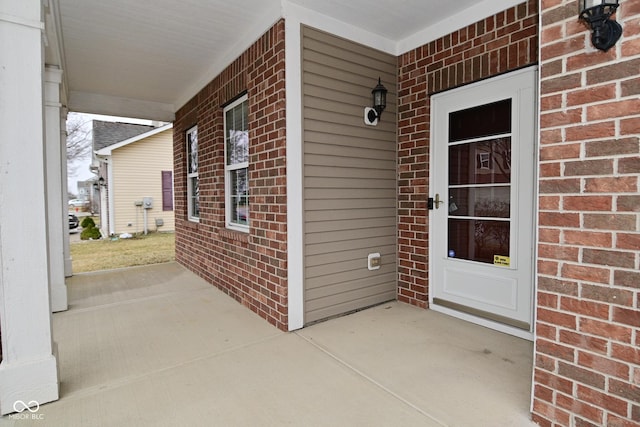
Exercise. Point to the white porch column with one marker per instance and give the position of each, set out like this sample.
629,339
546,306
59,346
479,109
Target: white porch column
58,222
68,271
28,371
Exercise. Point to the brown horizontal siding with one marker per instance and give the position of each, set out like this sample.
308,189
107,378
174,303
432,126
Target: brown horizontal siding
349,176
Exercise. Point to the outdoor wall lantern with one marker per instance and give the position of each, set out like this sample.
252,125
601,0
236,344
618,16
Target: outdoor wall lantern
100,183
372,114
596,13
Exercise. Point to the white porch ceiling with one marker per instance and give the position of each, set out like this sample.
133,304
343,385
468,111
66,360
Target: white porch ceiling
145,58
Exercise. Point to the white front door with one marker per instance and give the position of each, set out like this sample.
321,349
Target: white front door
482,184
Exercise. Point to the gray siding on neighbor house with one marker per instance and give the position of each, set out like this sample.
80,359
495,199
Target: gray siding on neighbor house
349,176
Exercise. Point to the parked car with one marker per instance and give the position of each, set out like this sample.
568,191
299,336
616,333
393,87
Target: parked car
73,222
78,203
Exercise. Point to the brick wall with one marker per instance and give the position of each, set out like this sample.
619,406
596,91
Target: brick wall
588,328
252,268
495,45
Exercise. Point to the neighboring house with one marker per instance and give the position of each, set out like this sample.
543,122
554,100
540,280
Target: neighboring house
135,177
499,186
87,191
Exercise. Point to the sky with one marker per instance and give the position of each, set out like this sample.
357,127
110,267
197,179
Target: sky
82,172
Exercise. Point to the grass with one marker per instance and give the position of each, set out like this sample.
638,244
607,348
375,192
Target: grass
94,255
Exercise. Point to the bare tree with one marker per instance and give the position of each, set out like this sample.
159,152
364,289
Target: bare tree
78,141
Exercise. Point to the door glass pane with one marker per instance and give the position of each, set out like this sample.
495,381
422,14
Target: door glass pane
479,198
480,201
480,121
478,240
483,162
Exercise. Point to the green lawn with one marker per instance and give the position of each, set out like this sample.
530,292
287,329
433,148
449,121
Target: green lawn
93,255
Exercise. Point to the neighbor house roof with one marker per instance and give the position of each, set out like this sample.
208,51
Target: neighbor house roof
109,133
106,151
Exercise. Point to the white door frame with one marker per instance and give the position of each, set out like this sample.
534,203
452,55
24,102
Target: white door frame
435,235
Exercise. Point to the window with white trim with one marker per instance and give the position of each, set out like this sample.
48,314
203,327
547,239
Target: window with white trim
483,161
193,182
236,153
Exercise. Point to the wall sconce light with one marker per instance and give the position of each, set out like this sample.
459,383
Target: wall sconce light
372,114
596,13
100,183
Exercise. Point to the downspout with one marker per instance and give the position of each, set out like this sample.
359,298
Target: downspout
110,195
106,229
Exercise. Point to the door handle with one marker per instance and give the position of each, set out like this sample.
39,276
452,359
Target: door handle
437,201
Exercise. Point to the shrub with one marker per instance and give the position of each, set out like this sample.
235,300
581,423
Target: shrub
90,233
89,229
87,222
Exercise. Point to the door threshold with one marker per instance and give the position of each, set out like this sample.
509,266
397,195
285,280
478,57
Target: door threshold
441,306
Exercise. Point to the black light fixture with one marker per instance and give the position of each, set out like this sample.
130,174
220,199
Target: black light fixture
100,183
596,13
379,94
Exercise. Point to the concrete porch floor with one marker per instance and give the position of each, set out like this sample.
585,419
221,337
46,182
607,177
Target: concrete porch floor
158,346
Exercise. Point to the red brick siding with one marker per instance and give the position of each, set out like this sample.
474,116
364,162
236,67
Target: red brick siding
588,327
252,268
498,44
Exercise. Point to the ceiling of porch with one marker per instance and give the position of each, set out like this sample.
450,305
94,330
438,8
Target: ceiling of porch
146,58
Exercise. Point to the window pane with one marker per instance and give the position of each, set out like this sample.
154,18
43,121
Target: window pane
194,202
482,201
485,162
192,151
237,136
477,122
478,240
239,197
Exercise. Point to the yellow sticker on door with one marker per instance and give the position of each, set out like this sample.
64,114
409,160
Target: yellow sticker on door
504,261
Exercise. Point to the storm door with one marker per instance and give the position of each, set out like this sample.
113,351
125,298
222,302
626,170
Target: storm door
482,189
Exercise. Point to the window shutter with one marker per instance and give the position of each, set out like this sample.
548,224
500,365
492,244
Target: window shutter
167,190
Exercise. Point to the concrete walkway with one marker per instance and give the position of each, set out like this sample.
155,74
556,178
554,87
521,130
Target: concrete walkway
157,346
